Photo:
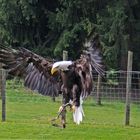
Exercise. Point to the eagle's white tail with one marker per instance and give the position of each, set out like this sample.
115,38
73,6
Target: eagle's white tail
78,113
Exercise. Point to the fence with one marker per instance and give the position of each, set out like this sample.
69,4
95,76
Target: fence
113,86
110,89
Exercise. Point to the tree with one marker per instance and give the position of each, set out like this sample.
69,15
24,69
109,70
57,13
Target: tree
49,27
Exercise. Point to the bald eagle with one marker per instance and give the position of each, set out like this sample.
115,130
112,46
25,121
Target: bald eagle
72,78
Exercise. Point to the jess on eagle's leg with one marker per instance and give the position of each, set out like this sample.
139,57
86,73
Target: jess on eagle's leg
65,103
62,109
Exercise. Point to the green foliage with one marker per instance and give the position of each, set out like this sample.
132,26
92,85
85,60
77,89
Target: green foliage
112,23
73,29
112,78
59,25
71,39
17,15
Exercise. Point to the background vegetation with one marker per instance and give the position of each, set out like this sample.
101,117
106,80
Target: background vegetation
49,26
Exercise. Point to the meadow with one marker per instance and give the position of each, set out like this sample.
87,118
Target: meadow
28,116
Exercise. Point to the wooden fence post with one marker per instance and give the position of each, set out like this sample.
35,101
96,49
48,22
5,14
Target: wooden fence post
3,95
128,87
65,55
98,90
0,78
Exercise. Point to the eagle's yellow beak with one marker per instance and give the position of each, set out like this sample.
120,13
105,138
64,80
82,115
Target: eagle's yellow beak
53,70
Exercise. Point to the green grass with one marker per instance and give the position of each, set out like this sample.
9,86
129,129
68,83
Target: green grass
29,115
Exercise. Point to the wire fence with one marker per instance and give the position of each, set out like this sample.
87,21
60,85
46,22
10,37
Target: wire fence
108,90
113,86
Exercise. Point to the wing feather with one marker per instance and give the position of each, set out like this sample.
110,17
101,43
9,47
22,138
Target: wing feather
90,61
34,69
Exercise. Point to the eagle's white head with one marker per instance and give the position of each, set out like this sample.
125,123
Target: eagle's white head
61,65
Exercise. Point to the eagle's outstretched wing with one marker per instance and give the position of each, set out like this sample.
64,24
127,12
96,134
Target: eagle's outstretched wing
34,69
91,60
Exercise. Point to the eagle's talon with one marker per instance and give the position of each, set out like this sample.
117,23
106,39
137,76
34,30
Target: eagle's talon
60,109
73,108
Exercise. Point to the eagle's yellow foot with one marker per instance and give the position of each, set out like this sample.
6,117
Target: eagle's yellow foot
73,108
60,109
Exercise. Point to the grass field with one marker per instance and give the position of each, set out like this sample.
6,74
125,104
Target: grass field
29,115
